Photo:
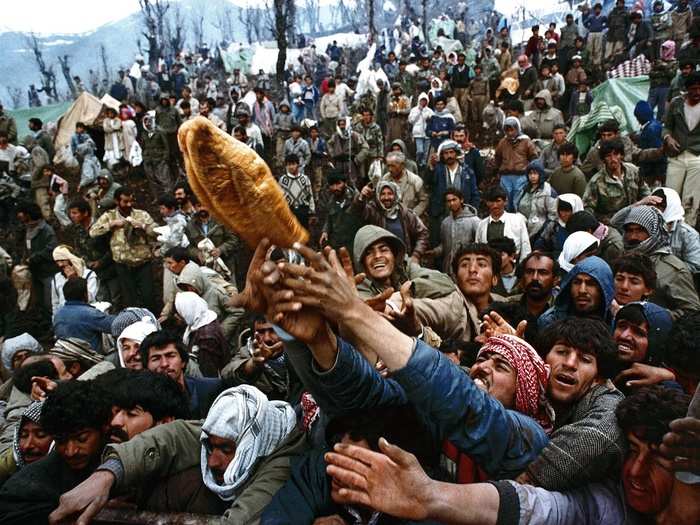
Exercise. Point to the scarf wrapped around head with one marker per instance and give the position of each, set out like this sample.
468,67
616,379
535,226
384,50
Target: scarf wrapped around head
194,311
75,349
532,375
668,50
392,212
64,253
31,413
574,245
652,221
244,415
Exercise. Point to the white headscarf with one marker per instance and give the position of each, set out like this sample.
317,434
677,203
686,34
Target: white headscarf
194,311
64,253
574,245
573,200
674,207
135,332
244,415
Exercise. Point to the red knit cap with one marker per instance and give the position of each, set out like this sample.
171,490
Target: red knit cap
532,375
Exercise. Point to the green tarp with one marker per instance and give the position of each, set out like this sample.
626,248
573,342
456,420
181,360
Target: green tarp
47,114
615,98
236,57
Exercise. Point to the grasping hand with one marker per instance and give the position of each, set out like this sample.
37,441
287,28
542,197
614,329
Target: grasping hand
392,482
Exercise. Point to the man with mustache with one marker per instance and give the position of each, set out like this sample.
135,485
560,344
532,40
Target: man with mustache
230,463
30,442
538,275
76,414
580,353
394,483
586,291
644,232
142,400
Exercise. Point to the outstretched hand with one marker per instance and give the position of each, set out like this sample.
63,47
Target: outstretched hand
392,482
495,324
251,298
326,283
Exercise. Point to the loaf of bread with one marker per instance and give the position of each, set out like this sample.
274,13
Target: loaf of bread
236,185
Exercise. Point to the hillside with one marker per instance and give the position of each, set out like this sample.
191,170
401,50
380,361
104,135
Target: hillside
119,39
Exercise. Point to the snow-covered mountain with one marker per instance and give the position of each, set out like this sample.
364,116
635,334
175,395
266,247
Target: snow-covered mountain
120,41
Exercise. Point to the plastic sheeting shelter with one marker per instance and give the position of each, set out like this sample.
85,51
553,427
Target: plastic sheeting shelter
50,113
615,98
86,108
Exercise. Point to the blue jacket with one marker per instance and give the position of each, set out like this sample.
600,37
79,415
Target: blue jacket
601,272
79,319
595,24
437,180
438,123
201,392
502,442
307,496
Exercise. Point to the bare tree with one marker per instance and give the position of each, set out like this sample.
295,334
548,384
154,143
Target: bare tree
48,76
198,29
246,17
154,12
280,26
65,69
224,23
424,5
103,59
312,13
175,31
15,94
370,21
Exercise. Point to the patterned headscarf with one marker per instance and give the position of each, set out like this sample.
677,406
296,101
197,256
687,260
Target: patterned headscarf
244,415
393,211
532,375
74,349
652,221
31,413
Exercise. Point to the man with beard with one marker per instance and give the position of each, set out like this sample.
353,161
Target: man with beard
586,291
76,414
450,172
644,232
184,196
344,214
130,243
538,275
384,208
141,400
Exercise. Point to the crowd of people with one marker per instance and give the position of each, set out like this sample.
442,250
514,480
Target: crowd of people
486,326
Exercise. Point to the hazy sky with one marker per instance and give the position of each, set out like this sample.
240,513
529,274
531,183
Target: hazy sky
63,16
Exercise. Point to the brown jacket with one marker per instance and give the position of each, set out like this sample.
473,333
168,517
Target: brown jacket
452,316
415,234
513,158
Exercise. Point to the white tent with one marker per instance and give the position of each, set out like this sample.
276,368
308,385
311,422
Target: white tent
86,109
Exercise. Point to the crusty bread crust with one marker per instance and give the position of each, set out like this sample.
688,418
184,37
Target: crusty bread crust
237,186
